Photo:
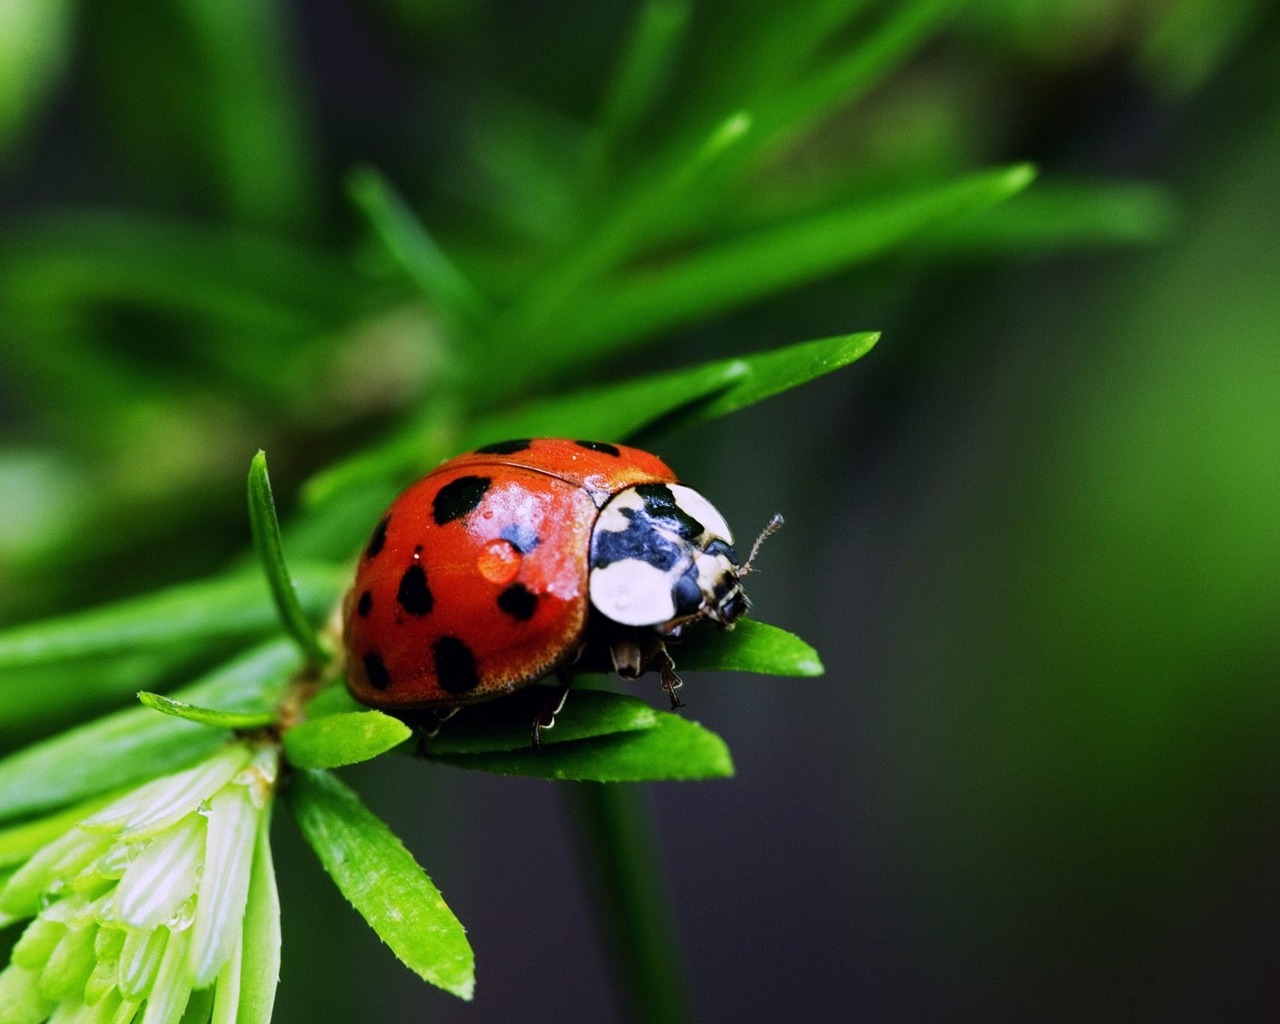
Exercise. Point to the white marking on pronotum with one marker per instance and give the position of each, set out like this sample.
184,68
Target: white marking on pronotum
633,592
702,510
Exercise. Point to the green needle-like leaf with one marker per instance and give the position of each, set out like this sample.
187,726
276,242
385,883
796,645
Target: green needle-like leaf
507,724
18,842
137,744
751,647
683,398
619,412
383,882
1057,214
230,607
415,251
746,269
207,716
673,748
270,549
345,738
261,939
645,64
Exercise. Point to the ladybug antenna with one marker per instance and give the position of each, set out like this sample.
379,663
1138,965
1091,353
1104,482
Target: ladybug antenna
770,527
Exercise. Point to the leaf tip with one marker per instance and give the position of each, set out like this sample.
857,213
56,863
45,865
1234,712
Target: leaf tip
1019,176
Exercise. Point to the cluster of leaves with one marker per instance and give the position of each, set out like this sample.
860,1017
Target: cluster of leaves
657,215
718,168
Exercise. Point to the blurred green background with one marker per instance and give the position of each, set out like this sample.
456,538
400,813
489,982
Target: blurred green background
1034,533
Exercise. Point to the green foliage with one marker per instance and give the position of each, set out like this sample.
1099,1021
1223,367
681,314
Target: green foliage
713,174
270,549
383,882
671,748
344,738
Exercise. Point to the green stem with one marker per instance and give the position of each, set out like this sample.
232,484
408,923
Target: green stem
622,861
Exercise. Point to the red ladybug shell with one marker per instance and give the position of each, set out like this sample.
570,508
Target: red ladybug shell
474,583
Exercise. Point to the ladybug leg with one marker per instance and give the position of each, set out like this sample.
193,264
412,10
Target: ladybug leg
427,726
546,718
670,681
632,658
628,658
441,715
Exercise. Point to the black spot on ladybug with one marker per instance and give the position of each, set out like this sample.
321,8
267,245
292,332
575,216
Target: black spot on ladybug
378,539
365,604
600,446
518,601
455,665
521,536
376,671
661,504
504,447
640,540
458,497
687,594
414,596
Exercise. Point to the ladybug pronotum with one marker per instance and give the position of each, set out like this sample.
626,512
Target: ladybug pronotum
510,562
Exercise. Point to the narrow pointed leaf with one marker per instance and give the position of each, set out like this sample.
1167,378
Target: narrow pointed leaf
137,744
752,646
672,749
270,549
206,716
644,66
345,738
18,842
1063,213
639,407
747,269
234,606
261,942
507,724
415,251
383,882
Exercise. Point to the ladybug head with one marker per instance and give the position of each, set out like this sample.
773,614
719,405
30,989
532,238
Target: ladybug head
731,602
662,556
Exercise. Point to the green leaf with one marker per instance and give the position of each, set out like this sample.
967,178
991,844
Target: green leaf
1059,214
837,83
334,699
37,699
345,738
644,408
207,716
18,842
507,724
383,882
751,646
137,744
261,940
249,281
528,331
270,549
416,252
229,607
744,270
643,68
673,748
33,50
627,411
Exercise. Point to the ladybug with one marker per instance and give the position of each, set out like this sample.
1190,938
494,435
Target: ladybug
529,557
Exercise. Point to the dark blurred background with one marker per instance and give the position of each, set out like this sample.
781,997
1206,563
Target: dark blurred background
1034,533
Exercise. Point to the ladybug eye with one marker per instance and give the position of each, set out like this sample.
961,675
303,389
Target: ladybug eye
734,607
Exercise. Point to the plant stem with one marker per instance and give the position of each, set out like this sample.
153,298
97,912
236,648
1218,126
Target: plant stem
621,858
